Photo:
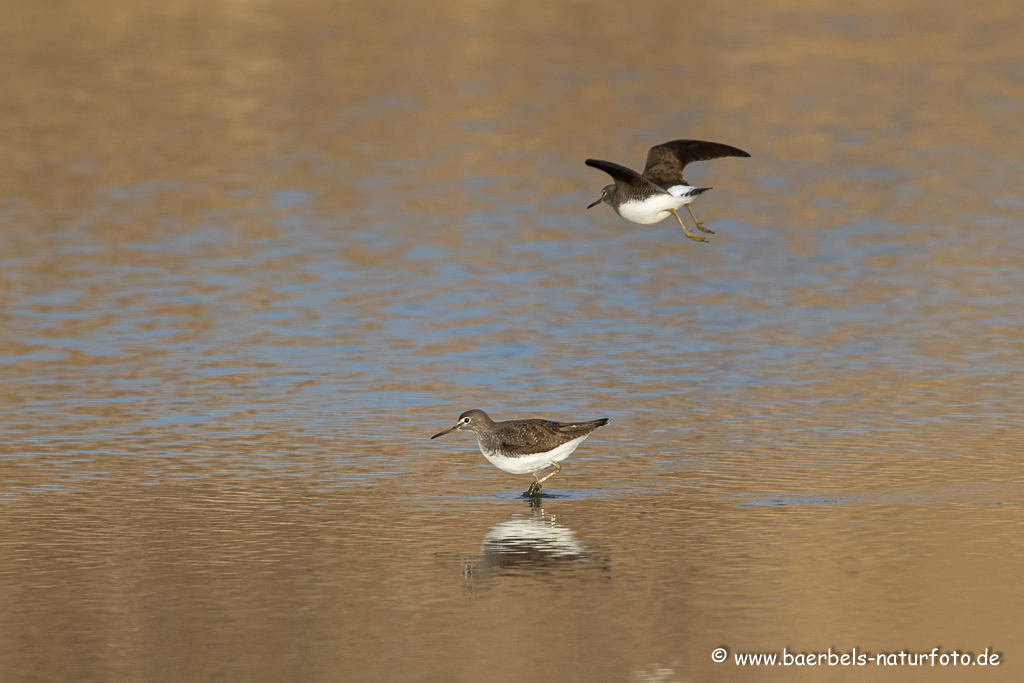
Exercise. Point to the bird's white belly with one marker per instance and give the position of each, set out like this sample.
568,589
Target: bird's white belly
653,209
528,464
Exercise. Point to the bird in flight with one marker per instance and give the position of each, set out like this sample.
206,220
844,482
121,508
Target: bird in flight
653,195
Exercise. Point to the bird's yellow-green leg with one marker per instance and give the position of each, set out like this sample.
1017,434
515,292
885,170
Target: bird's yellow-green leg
558,468
700,226
536,486
692,236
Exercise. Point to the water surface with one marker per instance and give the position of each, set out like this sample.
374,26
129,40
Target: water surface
255,254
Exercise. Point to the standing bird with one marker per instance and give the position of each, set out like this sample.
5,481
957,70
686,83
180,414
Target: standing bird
525,446
651,196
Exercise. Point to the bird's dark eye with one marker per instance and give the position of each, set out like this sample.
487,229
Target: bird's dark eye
465,420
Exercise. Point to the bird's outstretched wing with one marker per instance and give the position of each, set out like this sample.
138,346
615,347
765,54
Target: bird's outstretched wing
626,175
665,162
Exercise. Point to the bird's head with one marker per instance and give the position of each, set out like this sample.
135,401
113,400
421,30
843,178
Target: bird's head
471,419
606,196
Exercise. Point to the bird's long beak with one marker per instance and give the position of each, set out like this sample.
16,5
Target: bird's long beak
596,203
450,429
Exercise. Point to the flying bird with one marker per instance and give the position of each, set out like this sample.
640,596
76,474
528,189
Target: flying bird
650,197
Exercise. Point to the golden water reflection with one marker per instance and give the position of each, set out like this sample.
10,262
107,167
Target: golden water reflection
253,253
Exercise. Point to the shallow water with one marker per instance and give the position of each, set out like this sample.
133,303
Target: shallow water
255,254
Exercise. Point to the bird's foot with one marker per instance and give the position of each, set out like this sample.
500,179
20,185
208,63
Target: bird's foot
534,490
693,236
700,226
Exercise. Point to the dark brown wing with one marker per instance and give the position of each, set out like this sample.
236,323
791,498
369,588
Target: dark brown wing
626,175
526,437
634,183
665,163
576,429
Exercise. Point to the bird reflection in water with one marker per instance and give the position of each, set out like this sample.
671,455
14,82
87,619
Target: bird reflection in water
531,542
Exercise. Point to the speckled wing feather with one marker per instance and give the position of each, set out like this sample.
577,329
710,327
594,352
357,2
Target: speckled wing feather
526,437
576,429
665,163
